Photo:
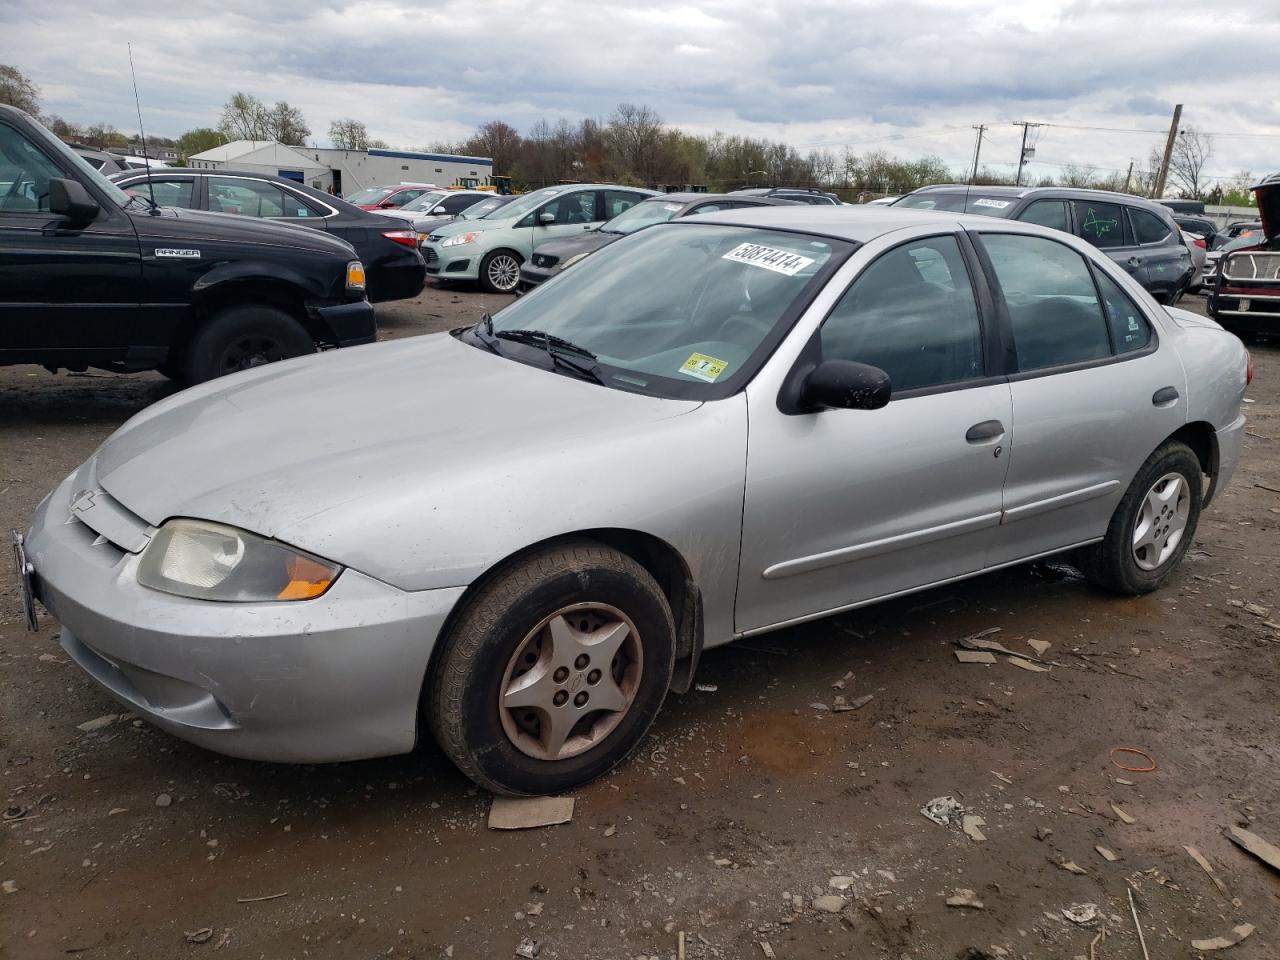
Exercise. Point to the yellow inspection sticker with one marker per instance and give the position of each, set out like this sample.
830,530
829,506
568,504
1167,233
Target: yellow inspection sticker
703,367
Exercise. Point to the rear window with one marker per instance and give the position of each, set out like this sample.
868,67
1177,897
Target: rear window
960,201
1147,227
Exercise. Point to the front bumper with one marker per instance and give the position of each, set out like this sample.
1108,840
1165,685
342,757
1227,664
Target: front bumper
532,275
331,679
452,263
1241,308
346,324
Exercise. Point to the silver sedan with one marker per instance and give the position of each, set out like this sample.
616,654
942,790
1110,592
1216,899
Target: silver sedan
519,536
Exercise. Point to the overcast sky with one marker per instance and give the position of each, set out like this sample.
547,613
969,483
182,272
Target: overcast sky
910,77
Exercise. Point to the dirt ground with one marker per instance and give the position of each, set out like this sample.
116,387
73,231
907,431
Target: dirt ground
737,811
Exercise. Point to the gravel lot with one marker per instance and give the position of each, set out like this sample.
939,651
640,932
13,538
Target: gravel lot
738,810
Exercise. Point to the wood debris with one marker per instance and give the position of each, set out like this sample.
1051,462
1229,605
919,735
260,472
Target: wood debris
1199,858
1221,943
1124,817
1254,844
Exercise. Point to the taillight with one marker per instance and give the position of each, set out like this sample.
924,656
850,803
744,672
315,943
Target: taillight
406,238
1199,242
1248,368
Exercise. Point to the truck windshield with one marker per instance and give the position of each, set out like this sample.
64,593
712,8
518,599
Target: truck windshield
86,171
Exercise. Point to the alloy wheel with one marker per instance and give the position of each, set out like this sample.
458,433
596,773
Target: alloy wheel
504,272
1162,521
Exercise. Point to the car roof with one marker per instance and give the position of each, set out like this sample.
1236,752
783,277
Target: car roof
857,222
1066,193
690,196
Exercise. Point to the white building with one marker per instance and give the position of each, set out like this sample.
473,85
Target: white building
346,170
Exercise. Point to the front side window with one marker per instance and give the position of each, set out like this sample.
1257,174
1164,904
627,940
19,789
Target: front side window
1147,228
912,313
568,208
423,203
679,310
1047,213
249,198
400,198
168,193
1102,224
454,203
616,201
1053,304
25,173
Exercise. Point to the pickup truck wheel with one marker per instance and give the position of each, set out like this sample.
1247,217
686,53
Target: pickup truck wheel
241,338
500,271
553,671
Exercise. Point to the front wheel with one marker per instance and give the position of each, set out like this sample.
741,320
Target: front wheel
554,671
1152,528
241,338
500,271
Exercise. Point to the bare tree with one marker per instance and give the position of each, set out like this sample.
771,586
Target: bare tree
497,140
349,135
287,125
634,132
63,128
244,117
1191,151
1074,175
19,90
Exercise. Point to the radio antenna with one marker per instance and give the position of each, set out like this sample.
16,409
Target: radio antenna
142,134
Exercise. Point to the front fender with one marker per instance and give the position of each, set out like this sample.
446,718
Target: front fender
311,285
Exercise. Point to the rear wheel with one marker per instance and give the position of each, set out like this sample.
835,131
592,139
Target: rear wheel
554,670
1152,528
240,338
500,271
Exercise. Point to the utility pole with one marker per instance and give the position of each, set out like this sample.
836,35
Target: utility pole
1127,177
977,151
1163,175
1022,156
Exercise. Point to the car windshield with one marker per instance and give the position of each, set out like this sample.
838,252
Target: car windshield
424,202
643,214
369,195
522,205
484,207
679,310
959,201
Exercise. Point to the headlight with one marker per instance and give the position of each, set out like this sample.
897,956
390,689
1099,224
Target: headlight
459,239
209,561
355,277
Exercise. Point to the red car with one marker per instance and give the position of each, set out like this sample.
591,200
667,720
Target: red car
1247,292
388,198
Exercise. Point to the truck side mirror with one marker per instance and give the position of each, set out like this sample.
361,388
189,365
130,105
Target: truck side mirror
69,198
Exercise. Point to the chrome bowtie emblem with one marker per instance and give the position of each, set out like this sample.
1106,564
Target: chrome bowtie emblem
83,502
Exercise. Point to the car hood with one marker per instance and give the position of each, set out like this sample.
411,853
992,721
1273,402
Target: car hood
566,247
181,224
483,225
1267,195
321,451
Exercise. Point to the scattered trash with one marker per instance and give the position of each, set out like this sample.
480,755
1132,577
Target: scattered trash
1221,943
1081,912
269,896
965,898
1142,941
1001,777
816,705
680,945
105,720
203,935
1124,817
1256,609
1071,867
1019,661
1043,833
970,825
766,950
1151,763
841,883
114,810
16,812
1199,858
521,813
839,706
975,656
1041,647
944,811
163,800
723,862
1254,844
887,875
706,687
610,830
1108,855
230,791
9,886
528,949
829,903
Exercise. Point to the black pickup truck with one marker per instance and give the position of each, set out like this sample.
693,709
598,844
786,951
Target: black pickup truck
93,277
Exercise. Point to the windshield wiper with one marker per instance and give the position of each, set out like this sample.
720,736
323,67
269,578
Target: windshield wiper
484,333
561,352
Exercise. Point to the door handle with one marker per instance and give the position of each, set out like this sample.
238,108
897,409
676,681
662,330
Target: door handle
986,430
1164,396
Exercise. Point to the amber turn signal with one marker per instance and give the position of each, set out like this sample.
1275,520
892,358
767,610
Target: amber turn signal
307,579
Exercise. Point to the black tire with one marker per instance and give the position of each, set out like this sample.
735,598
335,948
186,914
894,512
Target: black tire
510,278
1113,564
470,673
240,338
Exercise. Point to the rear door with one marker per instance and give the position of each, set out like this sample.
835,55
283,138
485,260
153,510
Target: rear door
1165,257
1105,225
64,288
250,197
1094,393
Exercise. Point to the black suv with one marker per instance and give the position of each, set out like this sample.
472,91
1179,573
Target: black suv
1137,234
92,277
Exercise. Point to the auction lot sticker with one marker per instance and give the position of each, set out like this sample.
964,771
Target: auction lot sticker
771,258
703,367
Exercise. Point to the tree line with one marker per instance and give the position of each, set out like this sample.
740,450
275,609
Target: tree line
633,145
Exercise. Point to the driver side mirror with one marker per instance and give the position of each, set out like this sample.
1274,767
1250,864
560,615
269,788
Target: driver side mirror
386,204
546,219
845,385
70,199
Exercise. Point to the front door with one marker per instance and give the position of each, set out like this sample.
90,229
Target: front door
569,214
844,506
64,288
1093,395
